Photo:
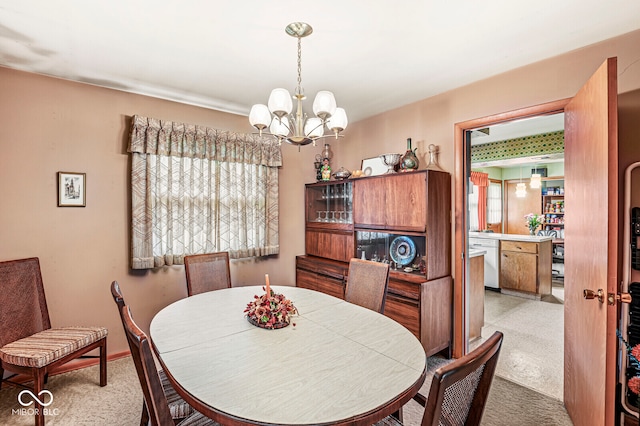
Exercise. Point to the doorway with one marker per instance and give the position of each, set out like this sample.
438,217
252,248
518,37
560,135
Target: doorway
462,168
510,155
591,162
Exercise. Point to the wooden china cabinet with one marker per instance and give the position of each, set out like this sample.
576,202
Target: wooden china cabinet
403,219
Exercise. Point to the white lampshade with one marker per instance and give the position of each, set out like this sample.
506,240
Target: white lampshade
278,127
338,121
313,128
280,103
536,180
521,190
260,117
324,105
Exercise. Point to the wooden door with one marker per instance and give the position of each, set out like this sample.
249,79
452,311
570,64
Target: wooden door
591,194
369,203
406,202
519,271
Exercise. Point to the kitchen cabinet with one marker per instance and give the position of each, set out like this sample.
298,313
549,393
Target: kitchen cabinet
525,267
370,217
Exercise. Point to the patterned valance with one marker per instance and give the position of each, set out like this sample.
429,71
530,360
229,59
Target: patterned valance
541,144
159,137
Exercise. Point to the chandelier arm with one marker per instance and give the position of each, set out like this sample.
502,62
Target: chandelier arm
322,123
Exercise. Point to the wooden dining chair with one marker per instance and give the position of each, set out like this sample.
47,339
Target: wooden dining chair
154,396
367,284
207,272
178,407
28,343
459,390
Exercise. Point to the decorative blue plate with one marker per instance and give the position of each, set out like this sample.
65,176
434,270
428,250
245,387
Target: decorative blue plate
403,250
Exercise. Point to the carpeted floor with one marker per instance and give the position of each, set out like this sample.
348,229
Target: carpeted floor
79,400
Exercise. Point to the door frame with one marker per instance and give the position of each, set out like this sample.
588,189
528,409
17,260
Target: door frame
462,168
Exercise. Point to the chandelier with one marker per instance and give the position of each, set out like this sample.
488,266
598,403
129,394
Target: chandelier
296,128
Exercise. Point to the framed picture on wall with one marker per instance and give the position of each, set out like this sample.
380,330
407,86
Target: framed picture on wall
373,166
72,189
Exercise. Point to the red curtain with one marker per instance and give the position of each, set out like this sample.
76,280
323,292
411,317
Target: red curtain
481,180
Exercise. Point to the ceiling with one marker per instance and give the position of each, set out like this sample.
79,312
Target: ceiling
228,55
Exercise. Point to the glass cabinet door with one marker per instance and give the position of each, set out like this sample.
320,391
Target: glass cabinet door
329,203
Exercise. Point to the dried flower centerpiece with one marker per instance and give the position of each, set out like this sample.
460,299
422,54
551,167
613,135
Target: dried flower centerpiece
270,310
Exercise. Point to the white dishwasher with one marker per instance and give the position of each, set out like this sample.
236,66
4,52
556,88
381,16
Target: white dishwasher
491,259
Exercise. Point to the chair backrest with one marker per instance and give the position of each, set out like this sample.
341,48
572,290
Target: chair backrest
459,390
548,233
23,307
154,397
117,297
367,284
206,272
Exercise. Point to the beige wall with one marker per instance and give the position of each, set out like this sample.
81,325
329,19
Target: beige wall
50,125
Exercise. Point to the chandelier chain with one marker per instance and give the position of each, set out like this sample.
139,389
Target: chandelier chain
299,88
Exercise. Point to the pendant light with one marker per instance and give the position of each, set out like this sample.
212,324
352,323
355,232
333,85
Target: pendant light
521,188
536,179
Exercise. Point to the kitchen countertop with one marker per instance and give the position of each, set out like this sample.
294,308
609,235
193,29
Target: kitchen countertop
509,237
476,252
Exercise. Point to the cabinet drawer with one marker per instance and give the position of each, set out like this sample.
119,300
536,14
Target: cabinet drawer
404,311
519,246
337,270
405,289
306,279
336,246
330,286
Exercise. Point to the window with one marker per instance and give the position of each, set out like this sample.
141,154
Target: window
200,190
473,209
494,202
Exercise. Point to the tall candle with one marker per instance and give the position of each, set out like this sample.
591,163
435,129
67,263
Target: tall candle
266,278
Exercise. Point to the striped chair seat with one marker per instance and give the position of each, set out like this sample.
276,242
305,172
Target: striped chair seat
50,345
179,407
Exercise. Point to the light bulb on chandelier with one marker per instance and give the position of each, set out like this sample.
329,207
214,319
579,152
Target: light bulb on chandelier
296,128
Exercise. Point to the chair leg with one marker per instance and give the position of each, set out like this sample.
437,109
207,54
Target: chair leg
103,363
398,415
38,386
144,418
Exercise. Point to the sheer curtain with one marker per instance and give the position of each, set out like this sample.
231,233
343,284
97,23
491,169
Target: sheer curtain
481,182
472,204
197,190
494,202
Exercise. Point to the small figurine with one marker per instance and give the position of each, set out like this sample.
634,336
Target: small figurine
318,164
325,170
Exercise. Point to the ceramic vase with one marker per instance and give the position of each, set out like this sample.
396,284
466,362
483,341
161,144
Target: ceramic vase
409,161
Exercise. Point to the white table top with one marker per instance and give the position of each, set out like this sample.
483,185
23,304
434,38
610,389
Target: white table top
340,361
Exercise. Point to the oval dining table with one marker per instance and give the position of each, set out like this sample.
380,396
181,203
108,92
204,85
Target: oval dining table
336,363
